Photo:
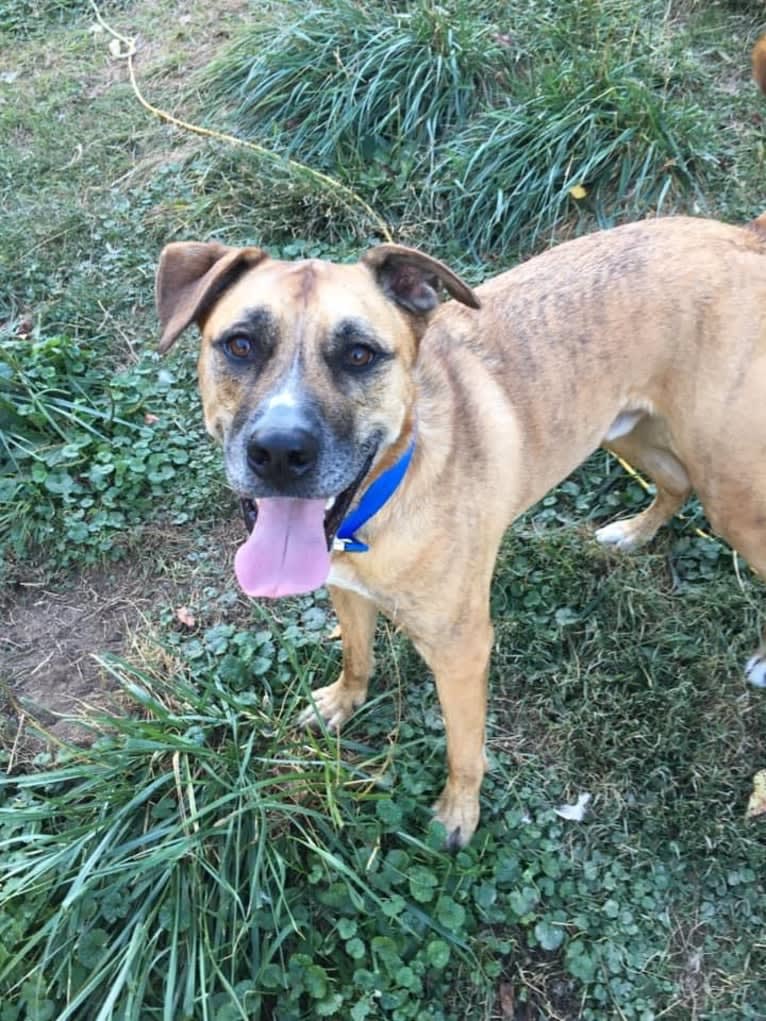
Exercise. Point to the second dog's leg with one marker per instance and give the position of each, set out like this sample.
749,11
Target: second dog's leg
336,702
646,448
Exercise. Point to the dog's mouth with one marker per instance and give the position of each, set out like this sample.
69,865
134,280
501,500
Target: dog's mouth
335,506
288,549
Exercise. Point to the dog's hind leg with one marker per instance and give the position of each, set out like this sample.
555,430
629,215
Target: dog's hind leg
647,448
750,542
336,702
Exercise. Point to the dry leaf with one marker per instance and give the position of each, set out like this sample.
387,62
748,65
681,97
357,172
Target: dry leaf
186,617
507,1000
334,634
578,191
24,329
576,812
150,419
115,48
757,804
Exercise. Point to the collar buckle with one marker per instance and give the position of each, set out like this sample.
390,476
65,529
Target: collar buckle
350,545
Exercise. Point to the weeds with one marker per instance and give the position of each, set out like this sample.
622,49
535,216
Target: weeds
85,457
206,860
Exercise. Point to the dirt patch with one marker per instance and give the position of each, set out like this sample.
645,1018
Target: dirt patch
54,632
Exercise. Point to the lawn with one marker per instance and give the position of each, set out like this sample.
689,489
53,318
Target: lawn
172,847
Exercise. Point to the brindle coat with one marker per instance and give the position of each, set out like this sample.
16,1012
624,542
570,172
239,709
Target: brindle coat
649,339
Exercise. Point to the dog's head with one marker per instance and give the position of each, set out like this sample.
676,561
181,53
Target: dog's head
305,369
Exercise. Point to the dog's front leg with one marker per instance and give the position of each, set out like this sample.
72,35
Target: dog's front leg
460,667
336,702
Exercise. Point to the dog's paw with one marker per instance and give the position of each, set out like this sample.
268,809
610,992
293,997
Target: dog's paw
755,670
333,704
458,812
619,534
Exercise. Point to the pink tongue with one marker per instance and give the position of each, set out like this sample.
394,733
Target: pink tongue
286,553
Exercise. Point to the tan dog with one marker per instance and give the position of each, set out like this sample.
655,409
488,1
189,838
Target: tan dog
649,339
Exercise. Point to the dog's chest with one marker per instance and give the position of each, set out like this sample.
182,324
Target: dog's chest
343,575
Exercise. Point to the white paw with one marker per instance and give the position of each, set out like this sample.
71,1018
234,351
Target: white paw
458,812
755,670
333,704
618,534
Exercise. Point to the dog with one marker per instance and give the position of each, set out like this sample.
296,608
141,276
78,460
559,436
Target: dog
323,380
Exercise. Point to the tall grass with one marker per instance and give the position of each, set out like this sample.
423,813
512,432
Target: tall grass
348,81
474,124
191,865
612,143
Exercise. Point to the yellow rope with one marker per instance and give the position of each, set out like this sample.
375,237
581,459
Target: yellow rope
347,195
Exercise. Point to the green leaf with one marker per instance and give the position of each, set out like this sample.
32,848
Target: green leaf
393,906
550,937
438,954
90,948
361,1010
315,981
485,895
347,928
330,1006
388,812
450,914
580,962
423,884
406,977
272,977
524,901
355,948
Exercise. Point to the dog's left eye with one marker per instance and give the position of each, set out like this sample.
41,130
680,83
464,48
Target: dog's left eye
239,348
359,356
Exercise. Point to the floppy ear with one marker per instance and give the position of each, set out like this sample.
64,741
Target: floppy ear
190,276
411,279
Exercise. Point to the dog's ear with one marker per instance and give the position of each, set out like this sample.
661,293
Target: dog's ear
411,279
190,276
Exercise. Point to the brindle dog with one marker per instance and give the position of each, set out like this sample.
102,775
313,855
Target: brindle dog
649,339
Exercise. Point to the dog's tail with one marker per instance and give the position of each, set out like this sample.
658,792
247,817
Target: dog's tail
759,63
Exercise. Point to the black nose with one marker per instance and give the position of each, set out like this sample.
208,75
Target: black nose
282,455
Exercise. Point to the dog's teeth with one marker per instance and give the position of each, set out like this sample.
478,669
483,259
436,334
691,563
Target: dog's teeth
330,503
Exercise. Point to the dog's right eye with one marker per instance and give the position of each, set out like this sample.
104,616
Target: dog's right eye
239,349
359,356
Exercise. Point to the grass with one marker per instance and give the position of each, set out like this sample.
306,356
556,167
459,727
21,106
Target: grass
209,856
84,457
202,859
443,116
613,142
347,81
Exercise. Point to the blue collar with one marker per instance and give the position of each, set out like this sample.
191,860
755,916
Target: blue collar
378,494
